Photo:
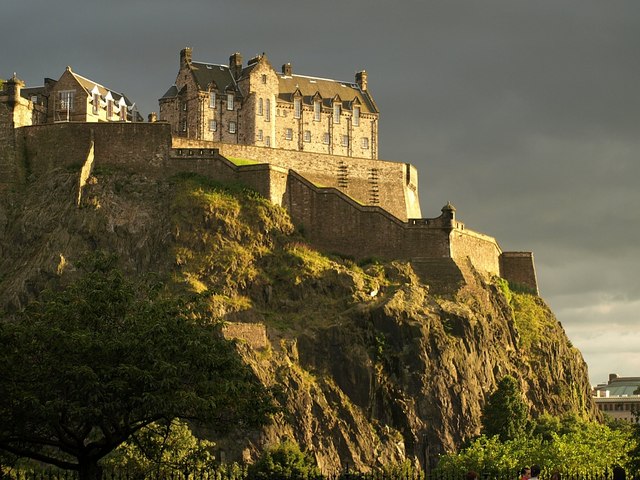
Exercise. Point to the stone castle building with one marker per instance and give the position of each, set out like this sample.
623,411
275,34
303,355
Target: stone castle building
71,98
255,105
345,199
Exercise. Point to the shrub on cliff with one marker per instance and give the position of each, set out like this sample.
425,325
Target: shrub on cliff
284,461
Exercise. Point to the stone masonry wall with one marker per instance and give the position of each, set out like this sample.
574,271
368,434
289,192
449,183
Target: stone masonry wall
336,223
330,219
482,250
518,268
390,185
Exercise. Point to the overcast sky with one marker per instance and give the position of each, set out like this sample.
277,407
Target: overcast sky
524,114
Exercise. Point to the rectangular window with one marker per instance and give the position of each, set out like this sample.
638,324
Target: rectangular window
336,112
317,109
365,143
297,108
230,101
232,127
212,99
110,109
307,135
184,106
260,107
267,141
123,112
327,139
345,140
264,79
356,116
259,135
184,125
289,134
66,100
268,110
96,103
213,126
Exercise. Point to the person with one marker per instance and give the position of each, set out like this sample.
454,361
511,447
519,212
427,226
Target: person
535,472
619,473
525,473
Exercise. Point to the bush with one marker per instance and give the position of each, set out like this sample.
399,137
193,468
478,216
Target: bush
284,461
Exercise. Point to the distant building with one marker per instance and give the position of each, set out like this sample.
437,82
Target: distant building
255,105
619,398
71,98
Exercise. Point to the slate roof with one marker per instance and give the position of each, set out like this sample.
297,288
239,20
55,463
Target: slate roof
328,90
206,74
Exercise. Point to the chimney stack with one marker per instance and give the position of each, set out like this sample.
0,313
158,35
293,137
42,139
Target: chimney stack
361,80
286,69
185,57
235,65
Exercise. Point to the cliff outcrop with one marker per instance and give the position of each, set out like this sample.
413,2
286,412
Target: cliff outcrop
371,367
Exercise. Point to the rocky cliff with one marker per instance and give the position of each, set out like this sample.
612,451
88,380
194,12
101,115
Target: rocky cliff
372,368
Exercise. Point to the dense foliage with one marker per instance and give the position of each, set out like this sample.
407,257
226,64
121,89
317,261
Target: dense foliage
576,446
96,362
160,450
284,461
505,413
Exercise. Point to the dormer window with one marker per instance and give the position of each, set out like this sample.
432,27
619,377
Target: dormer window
230,99
212,99
297,107
337,110
356,116
95,100
317,110
123,110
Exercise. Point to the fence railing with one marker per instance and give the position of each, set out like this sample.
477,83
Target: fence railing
241,473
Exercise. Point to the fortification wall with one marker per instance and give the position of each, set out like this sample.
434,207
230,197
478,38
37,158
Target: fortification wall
482,250
390,185
139,147
7,149
518,268
336,223
331,220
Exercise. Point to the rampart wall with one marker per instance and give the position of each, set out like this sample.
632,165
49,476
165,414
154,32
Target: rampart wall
370,182
483,250
330,219
519,269
337,223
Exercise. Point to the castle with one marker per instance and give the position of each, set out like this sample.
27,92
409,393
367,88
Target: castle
255,105
344,199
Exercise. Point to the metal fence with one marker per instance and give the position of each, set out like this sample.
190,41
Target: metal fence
241,473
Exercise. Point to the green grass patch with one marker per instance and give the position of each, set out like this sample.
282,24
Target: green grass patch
242,161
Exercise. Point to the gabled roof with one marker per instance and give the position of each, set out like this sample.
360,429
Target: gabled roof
88,85
208,74
328,90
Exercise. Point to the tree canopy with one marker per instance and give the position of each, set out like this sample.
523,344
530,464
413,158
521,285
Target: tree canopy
89,365
505,413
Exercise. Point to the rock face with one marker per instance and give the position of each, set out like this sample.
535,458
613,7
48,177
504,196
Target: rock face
370,367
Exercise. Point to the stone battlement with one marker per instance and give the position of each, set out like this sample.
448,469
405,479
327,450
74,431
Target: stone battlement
334,216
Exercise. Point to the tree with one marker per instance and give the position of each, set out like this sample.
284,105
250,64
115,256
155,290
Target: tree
505,413
162,450
284,461
92,364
